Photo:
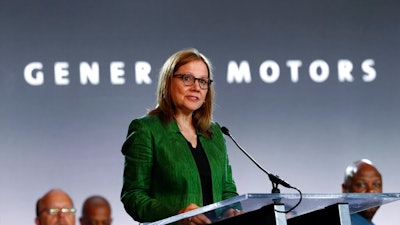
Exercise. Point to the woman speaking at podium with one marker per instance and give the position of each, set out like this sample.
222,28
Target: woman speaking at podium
175,155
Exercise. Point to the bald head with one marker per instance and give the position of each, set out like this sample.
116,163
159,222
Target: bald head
55,207
96,210
363,177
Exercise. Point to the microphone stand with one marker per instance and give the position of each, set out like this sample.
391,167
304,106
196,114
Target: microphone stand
275,180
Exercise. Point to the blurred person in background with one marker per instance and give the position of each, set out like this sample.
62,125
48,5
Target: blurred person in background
96,210
55,208
362,177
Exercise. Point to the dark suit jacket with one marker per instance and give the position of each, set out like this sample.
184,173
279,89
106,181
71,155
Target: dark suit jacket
160,173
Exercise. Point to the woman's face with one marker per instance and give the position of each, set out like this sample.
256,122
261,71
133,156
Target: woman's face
187,99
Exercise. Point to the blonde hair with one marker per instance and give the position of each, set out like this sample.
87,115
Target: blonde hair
165,108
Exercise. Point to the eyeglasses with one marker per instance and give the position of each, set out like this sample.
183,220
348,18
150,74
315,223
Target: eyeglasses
189,80
53,211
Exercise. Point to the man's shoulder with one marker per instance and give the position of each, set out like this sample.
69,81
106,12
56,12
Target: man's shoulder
357,219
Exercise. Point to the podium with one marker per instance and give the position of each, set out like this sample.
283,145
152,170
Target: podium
329,209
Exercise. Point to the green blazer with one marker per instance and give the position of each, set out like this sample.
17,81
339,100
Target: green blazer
160,174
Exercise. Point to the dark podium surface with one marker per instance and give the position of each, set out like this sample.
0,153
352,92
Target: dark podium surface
277,203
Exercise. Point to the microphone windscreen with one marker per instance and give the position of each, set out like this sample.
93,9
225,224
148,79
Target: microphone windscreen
225,131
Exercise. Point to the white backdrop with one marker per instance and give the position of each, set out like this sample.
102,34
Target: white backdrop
305,87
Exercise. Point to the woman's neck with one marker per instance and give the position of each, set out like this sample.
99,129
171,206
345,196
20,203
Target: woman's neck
186,128
184,122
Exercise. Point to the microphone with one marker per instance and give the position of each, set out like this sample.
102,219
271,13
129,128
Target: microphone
273,178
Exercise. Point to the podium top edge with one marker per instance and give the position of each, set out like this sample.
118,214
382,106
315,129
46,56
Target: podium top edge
322,195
